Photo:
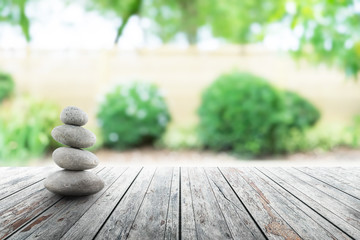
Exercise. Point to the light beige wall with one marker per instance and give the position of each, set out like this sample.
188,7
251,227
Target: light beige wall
79,77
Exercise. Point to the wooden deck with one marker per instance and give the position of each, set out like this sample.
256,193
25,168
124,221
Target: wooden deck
186,203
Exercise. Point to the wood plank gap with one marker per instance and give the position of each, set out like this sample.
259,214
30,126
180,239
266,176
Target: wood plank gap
188,226
24,225
217,202
150,220
263,197
167,211
346,199
180,235
192,204
104,192
31,226
104,205
117,203
345,175
349,214
320,219
21,184
21,189
118,224
328,197
290,212
238,218
318,212
242,203
334,186
137,212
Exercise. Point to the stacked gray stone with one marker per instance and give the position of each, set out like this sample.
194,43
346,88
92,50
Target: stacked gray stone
74,180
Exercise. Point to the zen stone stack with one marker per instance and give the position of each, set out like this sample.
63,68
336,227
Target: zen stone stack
74,180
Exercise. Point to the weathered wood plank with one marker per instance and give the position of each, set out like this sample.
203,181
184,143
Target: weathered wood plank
172,222
117,226
27,193
334,230
239,221
347,199
351,170
23,206
270,222
351,215
329,214
187,203
349,175
187,218
151,218
64,213
102,208
8,173
333,180
22,180
292,214
209,220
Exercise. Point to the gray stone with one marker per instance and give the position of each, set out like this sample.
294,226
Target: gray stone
74,183
73,136
74,116
74,159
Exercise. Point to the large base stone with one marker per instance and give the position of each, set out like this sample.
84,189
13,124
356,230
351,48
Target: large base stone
74,183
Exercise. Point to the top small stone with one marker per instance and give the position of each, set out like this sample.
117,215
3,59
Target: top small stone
73,116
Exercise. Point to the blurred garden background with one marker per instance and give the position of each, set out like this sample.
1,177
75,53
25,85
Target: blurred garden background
183,82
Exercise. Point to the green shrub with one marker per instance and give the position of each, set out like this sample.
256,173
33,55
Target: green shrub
304,114
6,86
245,114
25,128
132,115
180,137
352,132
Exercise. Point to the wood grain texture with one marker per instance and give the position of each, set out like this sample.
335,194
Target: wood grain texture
102,208
118,224
241,225
341,183
291,213
336,232
150,221
325,211
209,219
186,203
270,222
187,219
63,214
173,215
333,203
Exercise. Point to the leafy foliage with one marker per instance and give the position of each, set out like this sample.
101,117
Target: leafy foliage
6,85
303,113
180,137
14,12
25,128
328,31
132,115
245,114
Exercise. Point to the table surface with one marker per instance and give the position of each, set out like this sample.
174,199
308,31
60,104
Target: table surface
186,203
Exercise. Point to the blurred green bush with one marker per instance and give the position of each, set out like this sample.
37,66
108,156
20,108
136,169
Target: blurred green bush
180,137
302,112
25,128
6,85
132,115
243,113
